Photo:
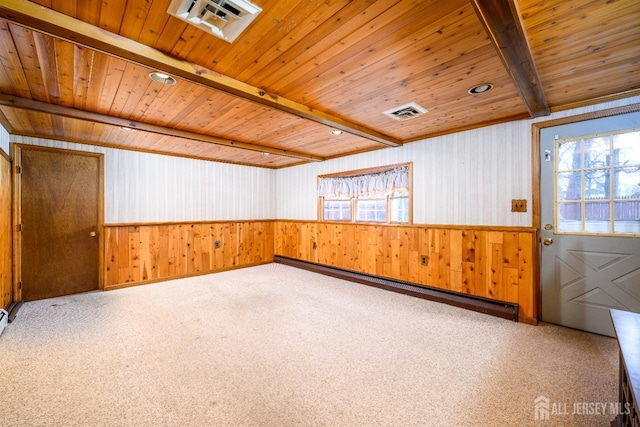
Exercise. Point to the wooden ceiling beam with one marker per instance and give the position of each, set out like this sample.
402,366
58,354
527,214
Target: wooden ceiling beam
59,110
48,21
5,123
503,25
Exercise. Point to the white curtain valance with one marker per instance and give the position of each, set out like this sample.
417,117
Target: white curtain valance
375,184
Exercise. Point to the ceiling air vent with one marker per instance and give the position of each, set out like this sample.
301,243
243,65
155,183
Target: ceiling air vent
406,112
225,19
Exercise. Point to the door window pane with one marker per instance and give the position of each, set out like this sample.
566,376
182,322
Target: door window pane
625,149
626,183
596,152
569,217
627,217
598,184
569,156
597,217
569,186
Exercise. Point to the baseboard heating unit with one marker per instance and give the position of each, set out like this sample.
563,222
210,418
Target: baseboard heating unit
483,305
4,319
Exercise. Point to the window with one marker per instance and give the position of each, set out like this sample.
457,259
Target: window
371,210
377,195
598,184
337,210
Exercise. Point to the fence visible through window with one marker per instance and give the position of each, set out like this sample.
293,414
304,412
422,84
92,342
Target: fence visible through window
598,184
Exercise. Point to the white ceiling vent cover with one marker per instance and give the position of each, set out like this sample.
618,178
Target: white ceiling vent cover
225,19
406,112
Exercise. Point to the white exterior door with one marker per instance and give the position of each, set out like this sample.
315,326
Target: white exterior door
590,215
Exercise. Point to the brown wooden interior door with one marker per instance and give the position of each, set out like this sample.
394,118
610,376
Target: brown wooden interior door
6,296
60,202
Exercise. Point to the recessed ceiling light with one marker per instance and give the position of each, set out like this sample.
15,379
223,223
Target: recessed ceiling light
265,153
163,78
127,129
481,88
336,132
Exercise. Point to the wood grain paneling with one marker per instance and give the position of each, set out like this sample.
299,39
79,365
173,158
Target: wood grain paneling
598,38
349,59
304,67
5,232
188,119
493,263
142,253
296,240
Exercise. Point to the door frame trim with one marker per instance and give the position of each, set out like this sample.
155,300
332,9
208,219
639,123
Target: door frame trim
536,176
9,243
17,210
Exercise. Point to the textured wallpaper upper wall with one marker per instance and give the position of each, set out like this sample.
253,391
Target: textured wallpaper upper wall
4,140
463,178
466,178
144,187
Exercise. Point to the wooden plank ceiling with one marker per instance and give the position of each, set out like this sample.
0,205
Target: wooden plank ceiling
79,71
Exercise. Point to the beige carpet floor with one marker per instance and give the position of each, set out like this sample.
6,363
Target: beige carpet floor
277,346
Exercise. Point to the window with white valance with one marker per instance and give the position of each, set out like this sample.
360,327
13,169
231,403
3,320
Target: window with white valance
371,195
386,182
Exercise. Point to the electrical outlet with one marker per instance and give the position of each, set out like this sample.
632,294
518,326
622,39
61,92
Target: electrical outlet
217,244
518,205
424,260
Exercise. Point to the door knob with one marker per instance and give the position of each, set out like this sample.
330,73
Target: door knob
547,241
93,234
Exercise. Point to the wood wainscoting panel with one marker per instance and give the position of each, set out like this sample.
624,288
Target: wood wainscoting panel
488,262
296,240
142,253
